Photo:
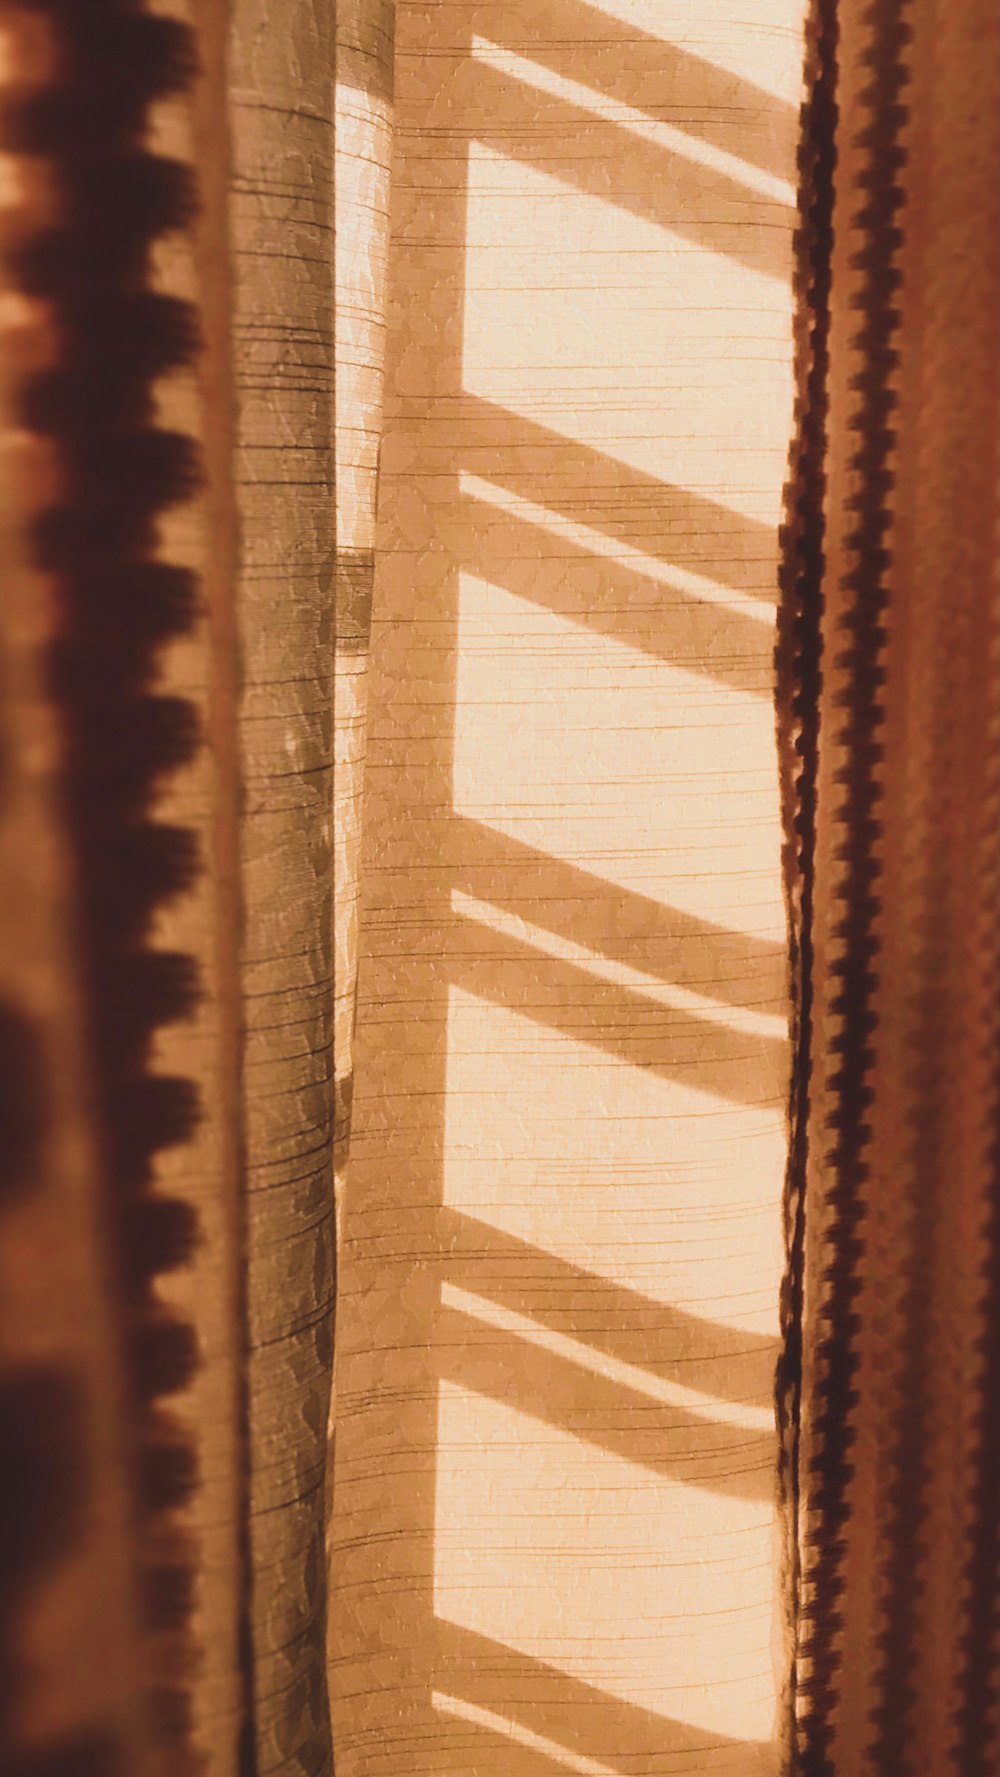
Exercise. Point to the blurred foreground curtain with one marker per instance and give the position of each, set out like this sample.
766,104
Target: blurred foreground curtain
190,554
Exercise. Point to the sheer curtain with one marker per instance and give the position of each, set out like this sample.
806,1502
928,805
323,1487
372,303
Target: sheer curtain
558,1307
409,895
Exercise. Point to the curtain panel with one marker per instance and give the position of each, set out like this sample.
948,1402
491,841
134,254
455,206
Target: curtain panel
499,1001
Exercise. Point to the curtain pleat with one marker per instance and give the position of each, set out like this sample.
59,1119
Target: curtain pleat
70,1661
199,1038
899,1479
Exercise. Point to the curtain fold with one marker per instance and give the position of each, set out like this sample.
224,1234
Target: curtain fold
365,71
127,1620
517,889
899,1479
280,97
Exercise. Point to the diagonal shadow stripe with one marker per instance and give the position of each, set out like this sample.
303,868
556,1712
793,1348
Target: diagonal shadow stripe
677,526
666,82
665,1041
667,1341
588,1722
687,1446
615,923
491,1745
570,143
609,596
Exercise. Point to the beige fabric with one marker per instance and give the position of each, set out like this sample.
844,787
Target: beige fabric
553,1528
